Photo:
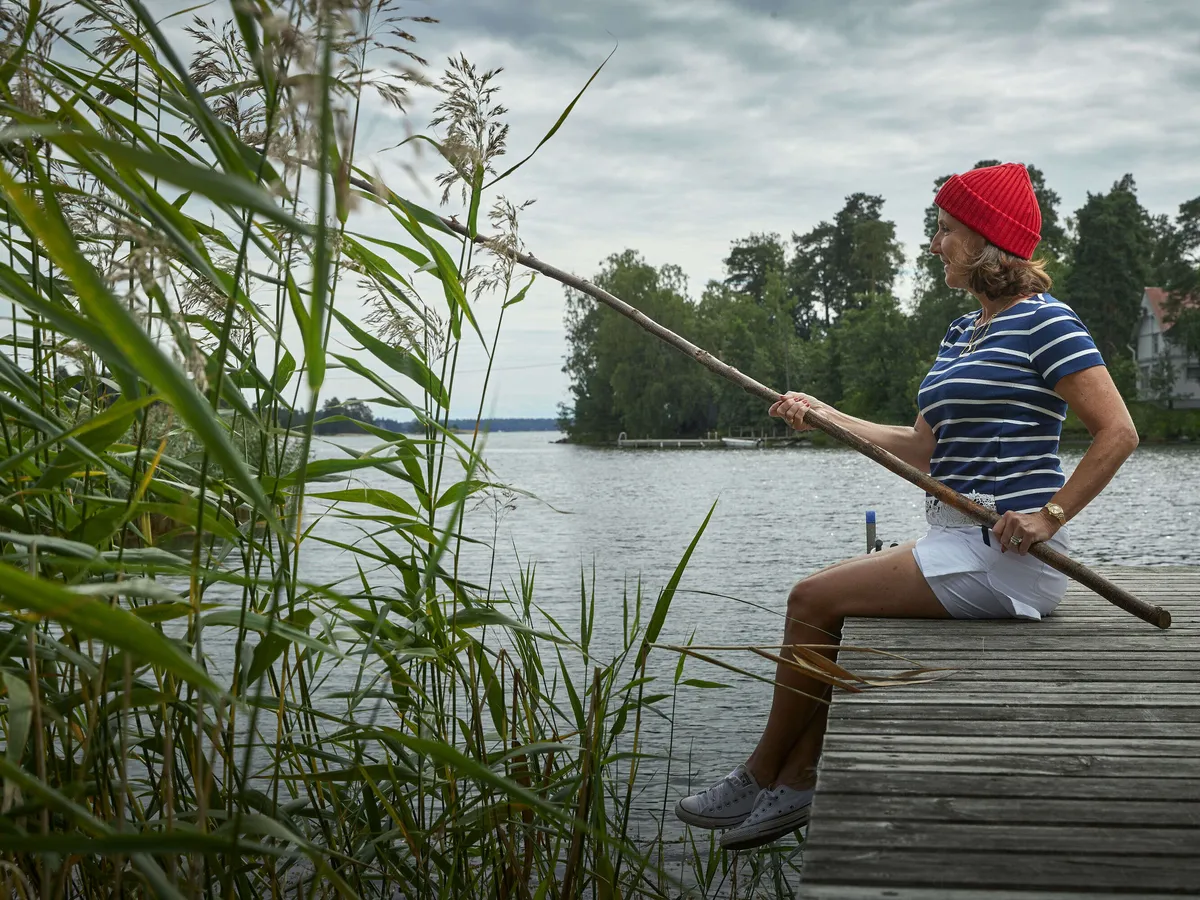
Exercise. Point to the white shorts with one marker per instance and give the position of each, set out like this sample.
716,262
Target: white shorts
974,580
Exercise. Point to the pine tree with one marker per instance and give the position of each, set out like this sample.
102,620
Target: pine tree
1110,267
751,261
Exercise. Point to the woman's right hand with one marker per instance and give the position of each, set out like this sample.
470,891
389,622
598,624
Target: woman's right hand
792,406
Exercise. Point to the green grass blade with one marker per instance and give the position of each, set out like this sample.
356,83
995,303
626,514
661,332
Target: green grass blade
314,332
447,273
476,196
663,605
20,716
95,619
13,61
217,186
557,125
402,361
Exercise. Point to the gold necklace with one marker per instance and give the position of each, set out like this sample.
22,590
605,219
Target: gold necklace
978,334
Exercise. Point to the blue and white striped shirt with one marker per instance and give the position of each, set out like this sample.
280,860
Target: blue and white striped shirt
994,410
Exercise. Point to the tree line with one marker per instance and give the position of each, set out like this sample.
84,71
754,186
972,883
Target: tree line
819,312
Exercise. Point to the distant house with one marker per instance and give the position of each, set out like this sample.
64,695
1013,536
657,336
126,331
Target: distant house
1164,368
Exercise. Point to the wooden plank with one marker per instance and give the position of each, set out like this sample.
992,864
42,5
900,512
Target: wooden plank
1169,589
942,708
959,837
1015,763
1043,747
1130,671
952,684
1014,809
875,892
907,641
983,697
1100,621
959,727
1057,628
992,784
1181,610
1115,656
1092,619
1098,872
982,634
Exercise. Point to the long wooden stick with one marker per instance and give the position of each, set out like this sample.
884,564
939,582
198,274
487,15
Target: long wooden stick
1115,594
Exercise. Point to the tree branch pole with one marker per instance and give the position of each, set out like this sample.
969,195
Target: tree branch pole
1115,594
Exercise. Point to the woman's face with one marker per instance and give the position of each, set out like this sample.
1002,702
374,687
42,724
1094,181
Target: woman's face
957,245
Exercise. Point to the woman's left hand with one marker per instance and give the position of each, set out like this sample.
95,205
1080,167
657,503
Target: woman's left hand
1020,531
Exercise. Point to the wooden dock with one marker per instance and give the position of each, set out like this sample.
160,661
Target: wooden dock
1061,760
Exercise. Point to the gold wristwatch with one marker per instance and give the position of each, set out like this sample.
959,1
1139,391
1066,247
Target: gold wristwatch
1056,513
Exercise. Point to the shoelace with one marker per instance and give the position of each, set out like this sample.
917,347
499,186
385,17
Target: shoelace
713,794
767,805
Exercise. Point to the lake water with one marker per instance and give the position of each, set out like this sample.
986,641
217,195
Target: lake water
780,515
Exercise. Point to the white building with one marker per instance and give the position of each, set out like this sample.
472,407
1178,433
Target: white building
1157,357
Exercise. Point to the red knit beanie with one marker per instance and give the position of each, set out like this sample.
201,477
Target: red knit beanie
999,203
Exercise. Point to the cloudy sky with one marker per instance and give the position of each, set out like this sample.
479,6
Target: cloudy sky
717,118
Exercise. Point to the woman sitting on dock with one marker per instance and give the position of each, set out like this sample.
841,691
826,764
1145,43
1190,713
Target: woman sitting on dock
991,414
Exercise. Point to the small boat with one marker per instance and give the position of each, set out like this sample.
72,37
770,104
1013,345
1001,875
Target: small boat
742,443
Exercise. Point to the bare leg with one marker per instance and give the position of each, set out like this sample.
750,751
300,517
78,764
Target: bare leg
887,584
799,770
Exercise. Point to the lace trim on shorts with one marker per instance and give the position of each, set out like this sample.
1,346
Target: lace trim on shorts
939,513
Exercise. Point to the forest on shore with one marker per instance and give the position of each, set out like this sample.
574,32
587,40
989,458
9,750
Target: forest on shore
819,312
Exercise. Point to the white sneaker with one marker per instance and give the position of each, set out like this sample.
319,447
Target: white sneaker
776,812
725,804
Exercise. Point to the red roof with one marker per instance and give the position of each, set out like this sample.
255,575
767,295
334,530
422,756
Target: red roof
1158,298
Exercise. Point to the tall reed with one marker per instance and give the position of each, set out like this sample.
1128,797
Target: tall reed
189,709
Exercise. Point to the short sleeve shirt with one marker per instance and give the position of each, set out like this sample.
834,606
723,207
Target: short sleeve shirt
991,403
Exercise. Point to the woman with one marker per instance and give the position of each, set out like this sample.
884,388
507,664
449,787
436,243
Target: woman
991,413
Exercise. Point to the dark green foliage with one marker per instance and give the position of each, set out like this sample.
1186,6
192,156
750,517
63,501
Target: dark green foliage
838,265
798,323
624,380
1158,423
754,337
751,261
1110,265
877,357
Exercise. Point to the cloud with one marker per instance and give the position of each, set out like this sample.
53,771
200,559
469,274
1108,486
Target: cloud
716,118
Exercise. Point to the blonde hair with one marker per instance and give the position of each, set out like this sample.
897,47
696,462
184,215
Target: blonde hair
1000,275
